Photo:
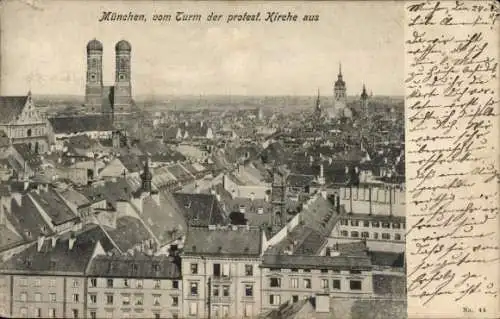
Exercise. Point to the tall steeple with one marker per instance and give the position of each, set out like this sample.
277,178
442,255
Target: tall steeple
340,71
364,101
146,178
318,102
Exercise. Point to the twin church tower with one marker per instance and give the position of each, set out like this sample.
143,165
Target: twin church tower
114,101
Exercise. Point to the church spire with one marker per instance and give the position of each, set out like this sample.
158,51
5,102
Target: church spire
340,70
146,178
318,102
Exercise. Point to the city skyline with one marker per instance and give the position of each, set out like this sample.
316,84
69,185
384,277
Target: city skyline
207,58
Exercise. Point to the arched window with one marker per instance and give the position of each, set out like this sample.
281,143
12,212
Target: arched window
28,132
37,147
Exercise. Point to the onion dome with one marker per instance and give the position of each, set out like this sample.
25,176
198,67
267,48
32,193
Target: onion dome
340,81
94,45
123,46
364,95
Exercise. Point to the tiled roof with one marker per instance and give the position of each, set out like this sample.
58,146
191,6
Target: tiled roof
74,197
200,209
111,191
166,221
8,237
316,262
388,259
27,219
78,124
11,107
53,205
223,242
128,233
159,267
60,257
180,173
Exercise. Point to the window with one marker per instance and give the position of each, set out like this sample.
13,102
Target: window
354,222
307,283
194,269
38,297
294,283
109,283
396,225
126,300
275,282
37,282
344,233
366,223
156,300
76,298
248,290
225,291
225,270
28,132
324,271
386,236
295,298
52,297
109,299
24,312
37,312
194,289
193,309
344,222
295,270
157,284
397,237
75,313
336,284
248,270
225,311
365,234
126,283
52,283
307,270
157,315
386,225
24,282
375,224
93,315
52,312
93,282
375,235
175,301
175,284
93,298
324,283
76,283
139,300
355,284
354,234
274,299
355,272
138,283
215,290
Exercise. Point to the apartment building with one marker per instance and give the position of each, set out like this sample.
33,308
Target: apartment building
47,280
220,272
137,286
298,277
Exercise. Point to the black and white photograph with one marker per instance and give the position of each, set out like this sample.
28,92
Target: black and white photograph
202,160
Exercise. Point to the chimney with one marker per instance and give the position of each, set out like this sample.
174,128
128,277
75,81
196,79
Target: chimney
322,303
71,241
54,241
39,243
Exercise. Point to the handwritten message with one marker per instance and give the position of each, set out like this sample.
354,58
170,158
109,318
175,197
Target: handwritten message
453,159
214,17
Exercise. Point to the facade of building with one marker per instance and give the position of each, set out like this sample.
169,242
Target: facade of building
297,277
134,287
23,122
220,272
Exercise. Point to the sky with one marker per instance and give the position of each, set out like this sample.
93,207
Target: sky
43,46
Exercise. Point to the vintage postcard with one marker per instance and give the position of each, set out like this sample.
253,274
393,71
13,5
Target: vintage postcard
249,159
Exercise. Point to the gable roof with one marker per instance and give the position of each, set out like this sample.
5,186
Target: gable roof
11,107
128,233
226,241
200,209
134,267
78,124
54,206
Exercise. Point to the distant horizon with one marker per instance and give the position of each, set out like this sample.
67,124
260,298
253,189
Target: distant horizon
240,59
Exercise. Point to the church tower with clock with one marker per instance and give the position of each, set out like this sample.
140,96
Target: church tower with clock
94,87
